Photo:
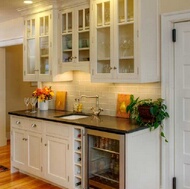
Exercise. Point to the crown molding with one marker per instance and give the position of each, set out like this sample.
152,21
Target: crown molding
40,6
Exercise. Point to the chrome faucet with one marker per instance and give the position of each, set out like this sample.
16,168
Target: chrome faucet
97,109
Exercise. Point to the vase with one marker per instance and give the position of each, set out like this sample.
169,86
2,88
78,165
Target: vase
43,105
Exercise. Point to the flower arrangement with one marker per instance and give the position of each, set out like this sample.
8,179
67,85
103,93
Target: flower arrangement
43,94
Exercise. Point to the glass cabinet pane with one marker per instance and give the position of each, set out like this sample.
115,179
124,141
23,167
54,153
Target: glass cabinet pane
67,22
31,55
70,22
99,14
87,18
67,48
121,10
125,11
44,25
126,48
30,28
103,50
64,23
84,50
80,20
107,13
44,55
130,10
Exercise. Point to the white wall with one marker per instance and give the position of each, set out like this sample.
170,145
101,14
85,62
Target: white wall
174,5
107,92
11,32
2,98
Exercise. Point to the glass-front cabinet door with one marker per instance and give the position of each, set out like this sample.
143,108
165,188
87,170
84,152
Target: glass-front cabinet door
103,40
44,44
67,36
37,48
30,48
114,39
75,38
125,28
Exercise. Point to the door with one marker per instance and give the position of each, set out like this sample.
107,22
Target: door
19,149
56,154
34,154
182,105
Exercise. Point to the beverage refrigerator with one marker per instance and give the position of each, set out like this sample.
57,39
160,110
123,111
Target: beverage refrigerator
105,159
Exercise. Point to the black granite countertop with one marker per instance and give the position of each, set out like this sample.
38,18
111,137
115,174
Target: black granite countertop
102,122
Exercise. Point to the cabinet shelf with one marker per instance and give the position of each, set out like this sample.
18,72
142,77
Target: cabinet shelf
124,23
107,175
44,56
109,151
99,182
126,57
104,59
67,50
81,30
84,49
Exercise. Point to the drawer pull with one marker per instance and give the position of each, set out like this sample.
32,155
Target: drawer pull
33,125
18,122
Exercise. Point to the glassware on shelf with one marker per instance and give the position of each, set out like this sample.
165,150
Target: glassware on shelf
33,101
126,46
26,102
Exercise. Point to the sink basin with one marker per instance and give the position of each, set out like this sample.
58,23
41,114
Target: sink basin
73,117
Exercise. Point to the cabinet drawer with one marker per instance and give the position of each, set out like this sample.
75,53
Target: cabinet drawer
18,122
34,125
56,129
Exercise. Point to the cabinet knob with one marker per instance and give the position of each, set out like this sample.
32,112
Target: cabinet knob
45,144
114,68
18,122
33,125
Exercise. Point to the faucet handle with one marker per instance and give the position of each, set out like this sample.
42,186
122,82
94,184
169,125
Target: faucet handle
96,111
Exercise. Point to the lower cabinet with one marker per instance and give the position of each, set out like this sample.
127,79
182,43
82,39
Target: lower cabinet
41,149
26,148
57,153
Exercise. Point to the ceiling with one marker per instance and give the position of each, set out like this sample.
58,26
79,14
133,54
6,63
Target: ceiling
8,9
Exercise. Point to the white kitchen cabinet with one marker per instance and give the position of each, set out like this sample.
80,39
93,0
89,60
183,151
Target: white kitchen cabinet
124,41
75,33
57,153
26,145
40,47
41,148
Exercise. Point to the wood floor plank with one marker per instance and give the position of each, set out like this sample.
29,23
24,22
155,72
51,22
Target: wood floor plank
18,180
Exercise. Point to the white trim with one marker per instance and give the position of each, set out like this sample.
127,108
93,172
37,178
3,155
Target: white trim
167,86
10,42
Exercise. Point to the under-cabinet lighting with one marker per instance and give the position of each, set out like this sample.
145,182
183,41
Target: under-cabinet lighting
28,1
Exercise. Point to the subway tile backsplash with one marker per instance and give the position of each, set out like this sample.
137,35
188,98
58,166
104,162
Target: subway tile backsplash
81,85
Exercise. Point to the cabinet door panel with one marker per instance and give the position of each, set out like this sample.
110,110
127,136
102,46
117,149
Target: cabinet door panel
34,153
57,160
18,149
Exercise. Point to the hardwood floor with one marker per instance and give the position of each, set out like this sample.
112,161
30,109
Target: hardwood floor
18,180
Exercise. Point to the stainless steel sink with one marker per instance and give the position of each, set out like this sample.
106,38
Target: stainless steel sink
72,116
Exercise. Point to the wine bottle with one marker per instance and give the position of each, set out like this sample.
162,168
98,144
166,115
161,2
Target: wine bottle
78,183
79,159
79,147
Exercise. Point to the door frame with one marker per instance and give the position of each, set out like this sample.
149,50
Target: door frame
168,91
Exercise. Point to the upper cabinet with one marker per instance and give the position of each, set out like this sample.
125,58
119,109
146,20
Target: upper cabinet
37,48
75,33
41,61
124,41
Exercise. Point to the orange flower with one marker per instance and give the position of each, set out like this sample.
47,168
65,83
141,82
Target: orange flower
43,94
